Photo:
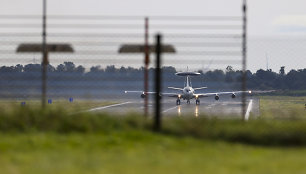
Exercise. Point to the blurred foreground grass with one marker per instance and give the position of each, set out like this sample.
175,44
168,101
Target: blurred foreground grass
133,152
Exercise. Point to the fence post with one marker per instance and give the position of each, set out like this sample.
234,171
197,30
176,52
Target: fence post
244,57
45,56
146,62
157,119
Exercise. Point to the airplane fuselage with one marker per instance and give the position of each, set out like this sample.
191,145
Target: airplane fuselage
188,93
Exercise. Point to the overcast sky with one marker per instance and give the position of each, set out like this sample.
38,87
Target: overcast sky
266,17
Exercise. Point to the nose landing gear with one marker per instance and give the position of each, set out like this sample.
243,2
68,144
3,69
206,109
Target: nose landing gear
188,101
178,102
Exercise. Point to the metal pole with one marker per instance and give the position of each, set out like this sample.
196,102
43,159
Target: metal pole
45,56
146,62
157,123
244,57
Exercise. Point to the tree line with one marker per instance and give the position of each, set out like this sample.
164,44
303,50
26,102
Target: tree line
261,79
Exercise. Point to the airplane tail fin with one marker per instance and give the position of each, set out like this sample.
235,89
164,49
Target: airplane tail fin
188,81
188,75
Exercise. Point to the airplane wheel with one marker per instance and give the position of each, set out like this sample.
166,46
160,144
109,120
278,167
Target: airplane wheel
178,102
188,101
197,102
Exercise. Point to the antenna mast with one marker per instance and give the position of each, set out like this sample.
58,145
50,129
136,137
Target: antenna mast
267,61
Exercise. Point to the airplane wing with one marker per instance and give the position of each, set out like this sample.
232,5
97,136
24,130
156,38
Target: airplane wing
262,92
142,93
233,93
139,92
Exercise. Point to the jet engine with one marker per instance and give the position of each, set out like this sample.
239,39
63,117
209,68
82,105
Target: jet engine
233,95
217,97
142,95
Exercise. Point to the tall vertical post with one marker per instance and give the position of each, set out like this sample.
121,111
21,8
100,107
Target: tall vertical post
146,62
45,56
157,119
244,57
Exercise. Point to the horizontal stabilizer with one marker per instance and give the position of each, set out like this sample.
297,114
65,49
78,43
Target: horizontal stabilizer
176,88
200,88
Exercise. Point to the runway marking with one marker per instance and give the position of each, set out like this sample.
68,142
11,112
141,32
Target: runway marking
104,107
142,107
210,106
170,109
247,114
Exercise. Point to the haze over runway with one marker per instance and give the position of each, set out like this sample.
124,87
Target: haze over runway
224,108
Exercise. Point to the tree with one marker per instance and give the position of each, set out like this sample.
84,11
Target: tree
60,68
80,69
266,75
282,71
18,68
32,68
229,69
168,69
111,69
7,69
69,66
215,75
50,68
122,70
229,76
94,69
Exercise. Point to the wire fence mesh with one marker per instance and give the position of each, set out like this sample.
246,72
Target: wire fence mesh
85,61
98,43
93,67
100,57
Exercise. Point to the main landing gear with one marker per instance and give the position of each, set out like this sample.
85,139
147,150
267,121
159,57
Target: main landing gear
178,102
197,102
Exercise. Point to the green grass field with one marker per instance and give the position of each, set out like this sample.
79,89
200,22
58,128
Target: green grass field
34,141
283,107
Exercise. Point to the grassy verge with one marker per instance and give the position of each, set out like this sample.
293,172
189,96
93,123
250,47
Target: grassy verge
75,106
260,132
287,93
283,107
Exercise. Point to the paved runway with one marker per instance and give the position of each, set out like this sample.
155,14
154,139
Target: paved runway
225,107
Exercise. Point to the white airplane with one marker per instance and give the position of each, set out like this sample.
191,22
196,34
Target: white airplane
188,93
